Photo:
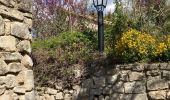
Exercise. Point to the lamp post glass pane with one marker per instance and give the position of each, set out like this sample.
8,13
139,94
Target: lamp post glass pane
105,2
95,2
100,3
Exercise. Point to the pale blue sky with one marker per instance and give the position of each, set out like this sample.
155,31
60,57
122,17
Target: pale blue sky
110,6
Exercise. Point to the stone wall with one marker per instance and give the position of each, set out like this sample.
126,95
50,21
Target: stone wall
118,82
16,76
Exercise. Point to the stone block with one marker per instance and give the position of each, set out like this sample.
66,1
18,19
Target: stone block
5,97
77,88
59,96
2,80
14,67
112,71
47,97
84,92
164,66
99,72
50,91
134,87
9,3
28,21
153,73
157,95
88,83
2,26
153,66
28,80
127,67
107,91
25,5
118,87
168,95
27,61
2,89
3,67
24,46
7,26
112,79
138,67
20,30
20,78
115,96
9,57
28,15
11,13
166,74
19,90
58,86
101,97
95,92
108,98
31,95
10,43
124,75
140,97
133,97
99,81
136,76
10,81
22,97
156,83
67,97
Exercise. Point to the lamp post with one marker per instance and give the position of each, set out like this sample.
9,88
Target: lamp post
100,5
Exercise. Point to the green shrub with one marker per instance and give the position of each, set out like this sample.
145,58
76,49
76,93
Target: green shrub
56,56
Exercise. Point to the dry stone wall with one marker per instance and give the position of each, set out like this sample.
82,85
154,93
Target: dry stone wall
16,76
118,82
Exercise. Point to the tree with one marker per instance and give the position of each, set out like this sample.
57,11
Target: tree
52,17
151,15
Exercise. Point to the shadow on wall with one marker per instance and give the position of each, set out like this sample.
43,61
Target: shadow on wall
104,81
127,82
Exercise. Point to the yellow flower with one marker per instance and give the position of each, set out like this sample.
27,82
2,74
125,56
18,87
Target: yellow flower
161,48
136,41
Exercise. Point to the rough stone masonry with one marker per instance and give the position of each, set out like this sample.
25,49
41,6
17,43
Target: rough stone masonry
16,76
139,81
117,82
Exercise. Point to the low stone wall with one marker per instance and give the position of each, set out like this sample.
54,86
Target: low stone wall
16,76
119,82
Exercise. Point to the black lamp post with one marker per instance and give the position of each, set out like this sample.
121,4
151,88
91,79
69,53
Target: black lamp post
100,5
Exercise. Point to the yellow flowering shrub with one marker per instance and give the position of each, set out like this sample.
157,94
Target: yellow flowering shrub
161,49
135,46
168,41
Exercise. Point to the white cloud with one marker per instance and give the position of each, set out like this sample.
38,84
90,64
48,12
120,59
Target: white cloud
110,8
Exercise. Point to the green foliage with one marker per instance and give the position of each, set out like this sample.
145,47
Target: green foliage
119,24
61,53
63,39
73,45
146,19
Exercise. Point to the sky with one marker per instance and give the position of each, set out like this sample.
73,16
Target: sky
110,6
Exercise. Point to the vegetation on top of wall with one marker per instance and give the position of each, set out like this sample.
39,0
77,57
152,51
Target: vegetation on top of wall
140,46
133,36
57,58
